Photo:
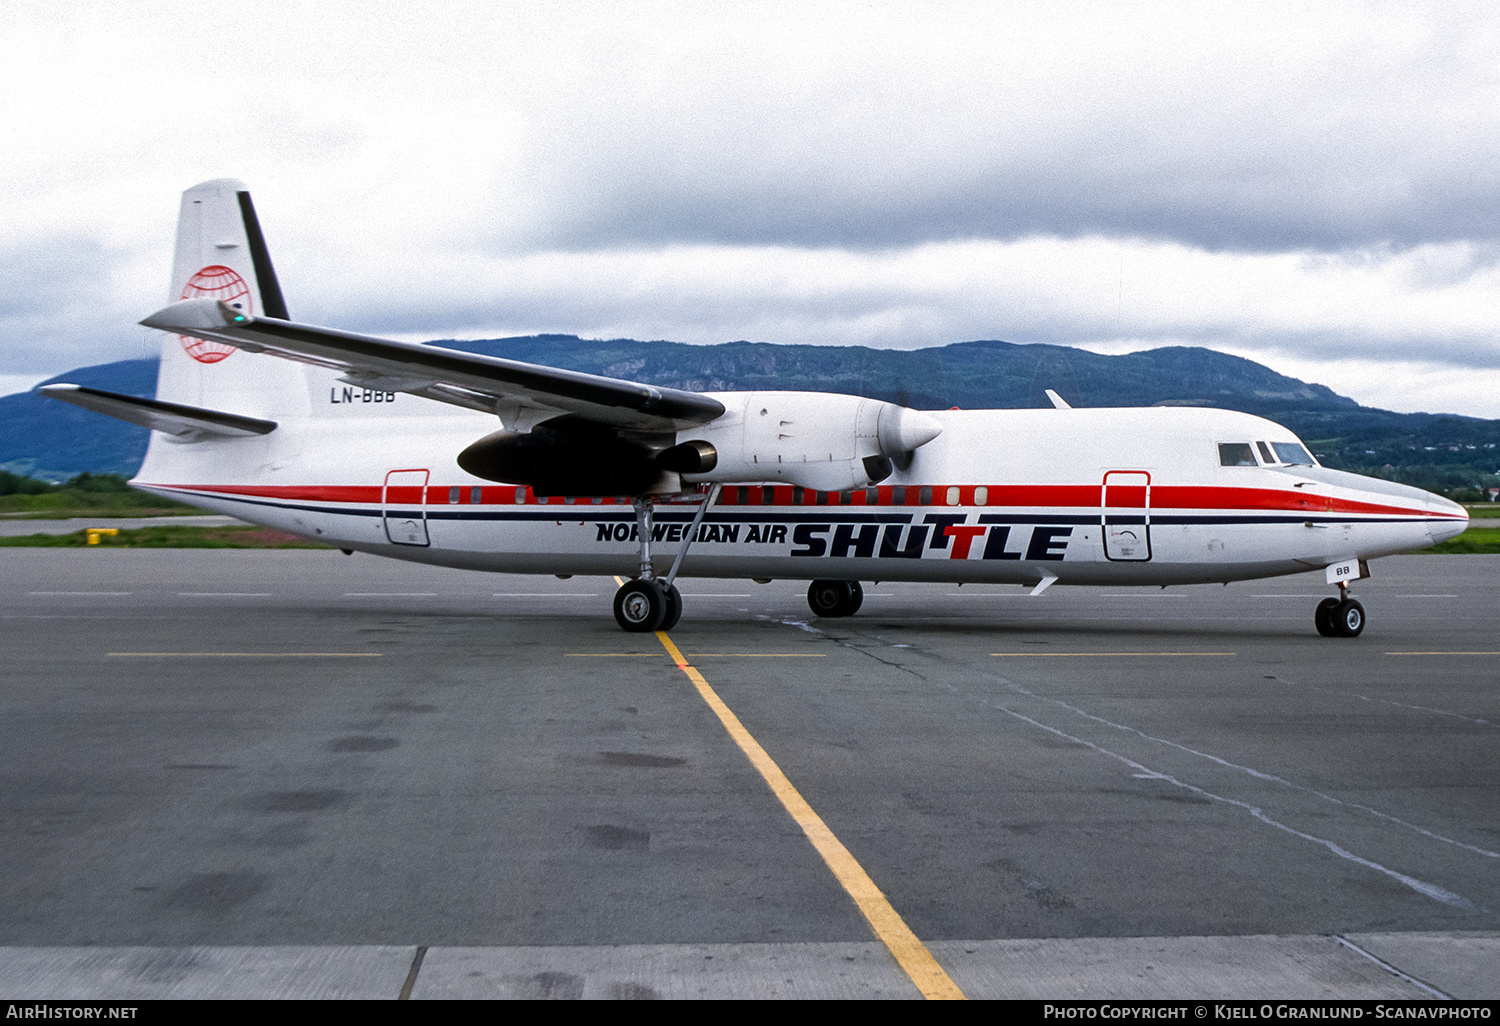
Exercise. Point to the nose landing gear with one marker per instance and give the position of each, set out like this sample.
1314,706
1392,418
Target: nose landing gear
1341,617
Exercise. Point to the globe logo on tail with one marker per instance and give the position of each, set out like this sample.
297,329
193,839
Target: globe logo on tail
215,282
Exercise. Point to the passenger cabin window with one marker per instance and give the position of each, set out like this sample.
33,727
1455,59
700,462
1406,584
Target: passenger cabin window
1236,454
1293,453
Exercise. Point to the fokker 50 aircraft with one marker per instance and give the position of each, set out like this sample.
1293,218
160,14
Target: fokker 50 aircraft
444,457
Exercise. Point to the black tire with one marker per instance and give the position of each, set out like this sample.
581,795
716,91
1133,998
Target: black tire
1323,616
834,598
674,609
1348,619
640,606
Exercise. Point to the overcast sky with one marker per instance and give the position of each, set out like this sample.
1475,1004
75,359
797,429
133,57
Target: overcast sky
1315,186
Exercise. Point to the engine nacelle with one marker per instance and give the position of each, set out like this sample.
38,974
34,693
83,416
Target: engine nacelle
818,440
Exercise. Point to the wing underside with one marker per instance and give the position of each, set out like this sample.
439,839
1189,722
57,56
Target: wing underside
521,394
184,423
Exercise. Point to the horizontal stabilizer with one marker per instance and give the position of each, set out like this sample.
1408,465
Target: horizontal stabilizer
517,392
184,423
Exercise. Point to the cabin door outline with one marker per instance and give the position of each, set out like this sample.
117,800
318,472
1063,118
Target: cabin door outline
1125,516
404,508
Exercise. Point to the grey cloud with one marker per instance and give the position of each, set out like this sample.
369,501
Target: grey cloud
40,278
1240,208
1380,136
59,307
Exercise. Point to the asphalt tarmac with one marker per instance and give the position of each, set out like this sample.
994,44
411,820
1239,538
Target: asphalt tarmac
367,777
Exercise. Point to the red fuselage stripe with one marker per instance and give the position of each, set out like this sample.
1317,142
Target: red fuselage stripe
1162,497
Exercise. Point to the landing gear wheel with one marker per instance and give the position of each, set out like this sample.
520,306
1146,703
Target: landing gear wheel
1323,616
641,606
1348,619
674,609
835,598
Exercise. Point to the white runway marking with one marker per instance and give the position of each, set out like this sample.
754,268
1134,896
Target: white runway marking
90,593
1141,595
1434,891
390,594
1258,774
1386,701
224,594
1422,887
544,594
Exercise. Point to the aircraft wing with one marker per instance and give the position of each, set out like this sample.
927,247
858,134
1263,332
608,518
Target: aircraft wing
185,423
521,394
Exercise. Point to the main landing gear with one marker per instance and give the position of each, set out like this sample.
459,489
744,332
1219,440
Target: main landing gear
642,606
647,603
835,598
1341,617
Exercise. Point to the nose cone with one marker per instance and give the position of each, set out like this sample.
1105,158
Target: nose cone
1455,519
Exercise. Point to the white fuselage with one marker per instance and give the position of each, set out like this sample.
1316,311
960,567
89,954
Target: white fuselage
1086,496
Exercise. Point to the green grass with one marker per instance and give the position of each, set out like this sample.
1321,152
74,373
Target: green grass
61,507
167,537
1481,537
1469,542
89,495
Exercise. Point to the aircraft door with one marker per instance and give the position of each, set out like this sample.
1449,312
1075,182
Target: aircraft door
404,507
1125,515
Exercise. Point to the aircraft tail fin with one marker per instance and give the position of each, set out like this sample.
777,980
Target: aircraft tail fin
221,253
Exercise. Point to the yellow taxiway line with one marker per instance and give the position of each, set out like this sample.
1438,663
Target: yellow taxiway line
910,953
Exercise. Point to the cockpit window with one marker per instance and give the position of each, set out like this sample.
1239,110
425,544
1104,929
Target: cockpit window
1236,454
1293,453
1265,452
